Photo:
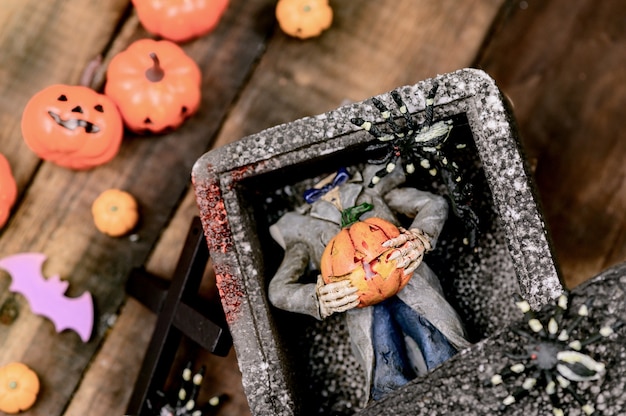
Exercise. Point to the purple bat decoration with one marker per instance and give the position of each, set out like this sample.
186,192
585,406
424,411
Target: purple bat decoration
47,296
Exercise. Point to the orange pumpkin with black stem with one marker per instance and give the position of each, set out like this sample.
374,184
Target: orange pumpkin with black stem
357,254
155,85
72,126
19,386
304,18
8,190
180,20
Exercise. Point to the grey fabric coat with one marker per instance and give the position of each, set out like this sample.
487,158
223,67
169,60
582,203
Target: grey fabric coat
304,237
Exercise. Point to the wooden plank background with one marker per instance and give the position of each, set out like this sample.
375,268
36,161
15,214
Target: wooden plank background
562,63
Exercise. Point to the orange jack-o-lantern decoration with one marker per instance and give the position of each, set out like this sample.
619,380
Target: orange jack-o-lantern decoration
8,190
72,126
356,253
180,20
115,212
155,85
19,386
304,18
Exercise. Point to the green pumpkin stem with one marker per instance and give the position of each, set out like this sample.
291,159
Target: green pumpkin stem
351,215
155,73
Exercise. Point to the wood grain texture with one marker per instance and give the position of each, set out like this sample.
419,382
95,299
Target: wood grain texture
563,65
372,47
54,214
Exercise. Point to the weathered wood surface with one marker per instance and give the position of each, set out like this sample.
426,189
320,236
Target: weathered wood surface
561,62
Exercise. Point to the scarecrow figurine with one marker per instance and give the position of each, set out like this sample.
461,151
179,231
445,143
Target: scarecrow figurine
396,338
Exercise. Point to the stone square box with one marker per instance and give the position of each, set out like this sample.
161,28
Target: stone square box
293,364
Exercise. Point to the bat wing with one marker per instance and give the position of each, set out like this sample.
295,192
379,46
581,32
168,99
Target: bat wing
46,296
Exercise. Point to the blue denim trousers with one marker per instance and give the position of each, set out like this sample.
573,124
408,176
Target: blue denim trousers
392,320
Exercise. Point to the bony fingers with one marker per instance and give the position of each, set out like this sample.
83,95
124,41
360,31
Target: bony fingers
335,286
349,306
341,302
411,268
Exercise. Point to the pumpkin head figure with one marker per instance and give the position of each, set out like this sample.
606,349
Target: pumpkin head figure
19,386
72,126
180,20
356,253
8,190
155,85
304,18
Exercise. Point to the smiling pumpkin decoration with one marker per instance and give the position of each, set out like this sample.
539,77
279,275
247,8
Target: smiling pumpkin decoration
8,190
155,84
72,126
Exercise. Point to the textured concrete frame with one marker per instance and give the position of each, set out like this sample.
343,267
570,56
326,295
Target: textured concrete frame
237,255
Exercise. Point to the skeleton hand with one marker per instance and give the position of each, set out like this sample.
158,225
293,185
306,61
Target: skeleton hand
336,296
411,246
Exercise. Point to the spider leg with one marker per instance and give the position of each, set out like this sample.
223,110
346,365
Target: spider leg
411,126
372,129
390,152
586,407
603,332
189,390
430,106
533,323
551,391
527,385
582,313
389,167
506,373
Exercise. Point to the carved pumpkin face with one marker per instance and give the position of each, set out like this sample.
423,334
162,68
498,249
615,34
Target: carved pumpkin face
304,18
179,20
72,126
155,85
8,190
356,253
19,386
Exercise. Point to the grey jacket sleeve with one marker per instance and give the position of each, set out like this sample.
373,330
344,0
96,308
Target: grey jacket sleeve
429,211
285,289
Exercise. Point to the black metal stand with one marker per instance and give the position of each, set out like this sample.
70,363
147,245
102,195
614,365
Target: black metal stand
177,317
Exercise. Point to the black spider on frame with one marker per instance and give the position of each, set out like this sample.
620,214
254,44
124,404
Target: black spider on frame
185,403
553,358
420,143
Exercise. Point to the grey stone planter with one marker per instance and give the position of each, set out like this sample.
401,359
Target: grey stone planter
292,364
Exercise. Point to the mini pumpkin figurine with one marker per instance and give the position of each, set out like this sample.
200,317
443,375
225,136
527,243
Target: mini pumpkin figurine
115,212
19,386
304,18
72,126
180,20
8,190
155,85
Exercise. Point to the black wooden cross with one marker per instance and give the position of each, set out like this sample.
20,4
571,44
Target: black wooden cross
177,317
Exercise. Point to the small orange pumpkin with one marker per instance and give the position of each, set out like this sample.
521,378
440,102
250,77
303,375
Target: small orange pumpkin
304,18
115,212
8,190
72,126
180,20
155,85
356,253
19,386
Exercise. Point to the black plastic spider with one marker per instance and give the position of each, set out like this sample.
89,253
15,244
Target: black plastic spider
553,358
185,402
420,143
